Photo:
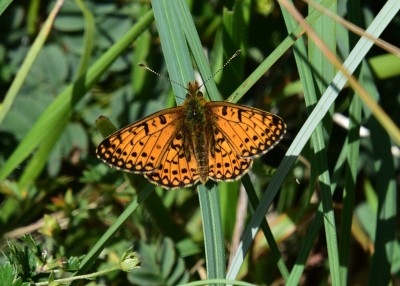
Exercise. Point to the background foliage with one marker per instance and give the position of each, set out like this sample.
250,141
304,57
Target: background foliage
58,200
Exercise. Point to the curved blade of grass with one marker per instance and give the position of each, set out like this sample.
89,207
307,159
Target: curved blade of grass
350,182
28,62
358,53
212,227
88,38
220,281
59,110
39,158
209,198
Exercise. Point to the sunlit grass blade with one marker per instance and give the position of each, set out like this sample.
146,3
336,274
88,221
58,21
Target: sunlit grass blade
351,150
4,5
173,42
193,40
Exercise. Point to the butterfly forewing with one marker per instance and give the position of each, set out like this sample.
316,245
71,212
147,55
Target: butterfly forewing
140,147
251,132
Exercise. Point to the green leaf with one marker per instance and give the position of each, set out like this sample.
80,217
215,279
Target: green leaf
7,275
161,265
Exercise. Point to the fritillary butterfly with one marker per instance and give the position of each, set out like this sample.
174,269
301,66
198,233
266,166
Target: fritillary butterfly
197,141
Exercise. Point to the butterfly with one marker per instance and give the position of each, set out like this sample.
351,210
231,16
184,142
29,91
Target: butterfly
196,141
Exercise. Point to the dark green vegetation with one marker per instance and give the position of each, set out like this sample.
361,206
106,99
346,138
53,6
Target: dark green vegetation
334,217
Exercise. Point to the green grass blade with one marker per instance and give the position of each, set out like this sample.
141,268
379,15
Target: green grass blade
351,150
28,62
350,181
4,4
193,40
305,248
326,30
88,40
286,163
220,281
39,159
324,72
266,229
385,241
212,226
173,42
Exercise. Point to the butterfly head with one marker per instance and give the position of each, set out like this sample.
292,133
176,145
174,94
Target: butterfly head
195,102
194,93
193,89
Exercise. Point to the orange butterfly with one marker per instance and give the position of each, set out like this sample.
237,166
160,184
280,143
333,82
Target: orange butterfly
199,140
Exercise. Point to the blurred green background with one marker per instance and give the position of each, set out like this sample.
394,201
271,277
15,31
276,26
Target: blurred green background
57,199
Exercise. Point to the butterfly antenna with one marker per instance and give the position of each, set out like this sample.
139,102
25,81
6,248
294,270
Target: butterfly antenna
224,65
161,75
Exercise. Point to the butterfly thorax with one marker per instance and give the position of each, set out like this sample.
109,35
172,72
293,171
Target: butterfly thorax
196,128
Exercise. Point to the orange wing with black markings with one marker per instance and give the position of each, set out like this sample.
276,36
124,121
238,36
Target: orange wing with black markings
141,146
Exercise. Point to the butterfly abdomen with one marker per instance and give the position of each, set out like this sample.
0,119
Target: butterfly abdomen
200,147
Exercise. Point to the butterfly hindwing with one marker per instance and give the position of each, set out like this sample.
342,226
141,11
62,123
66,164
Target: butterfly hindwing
178,167
224,162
